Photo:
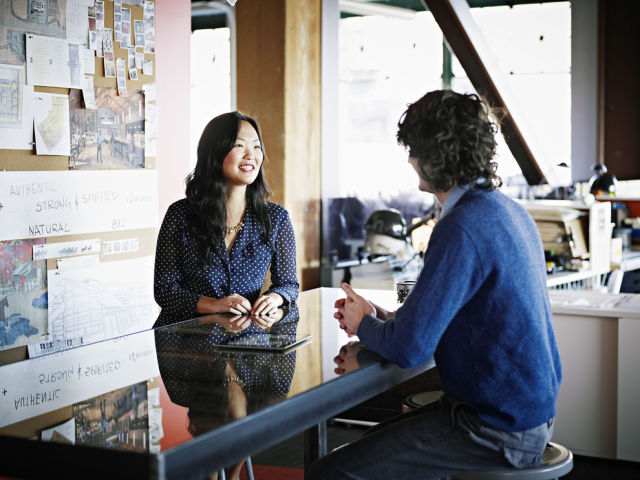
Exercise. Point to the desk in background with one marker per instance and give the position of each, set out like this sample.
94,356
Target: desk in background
597,408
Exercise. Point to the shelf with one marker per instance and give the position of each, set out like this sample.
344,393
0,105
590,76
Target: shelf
562,278
630,261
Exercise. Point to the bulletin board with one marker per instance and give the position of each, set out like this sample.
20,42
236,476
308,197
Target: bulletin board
78,190
78,183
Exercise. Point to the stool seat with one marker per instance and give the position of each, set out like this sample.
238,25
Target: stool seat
557,462
417,400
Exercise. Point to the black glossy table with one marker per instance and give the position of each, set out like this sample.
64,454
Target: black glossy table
189,369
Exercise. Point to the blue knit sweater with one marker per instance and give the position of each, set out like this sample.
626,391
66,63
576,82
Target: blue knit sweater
481,308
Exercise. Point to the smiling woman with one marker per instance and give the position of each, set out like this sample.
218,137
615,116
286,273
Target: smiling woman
215,245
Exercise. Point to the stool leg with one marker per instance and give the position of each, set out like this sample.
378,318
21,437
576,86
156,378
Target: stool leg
222,475
249,469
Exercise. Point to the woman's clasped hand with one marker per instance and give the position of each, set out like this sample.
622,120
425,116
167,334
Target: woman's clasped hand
265,305
238,322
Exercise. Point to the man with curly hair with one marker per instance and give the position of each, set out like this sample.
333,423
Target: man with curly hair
480,308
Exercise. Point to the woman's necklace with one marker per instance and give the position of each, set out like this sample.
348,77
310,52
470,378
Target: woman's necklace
229,230
234,378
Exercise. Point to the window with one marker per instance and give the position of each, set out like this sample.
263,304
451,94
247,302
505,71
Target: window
386,63
532,44
210,80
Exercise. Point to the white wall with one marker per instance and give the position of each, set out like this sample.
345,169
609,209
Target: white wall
173,40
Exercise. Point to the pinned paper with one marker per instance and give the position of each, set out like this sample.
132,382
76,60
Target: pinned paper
16,120
66,249
63,433
51,121
121,77
147,67
88,93
47,61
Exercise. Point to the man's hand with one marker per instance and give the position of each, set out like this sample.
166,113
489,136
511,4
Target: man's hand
352,309
347,358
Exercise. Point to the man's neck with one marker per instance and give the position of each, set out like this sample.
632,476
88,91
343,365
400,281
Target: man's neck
442,196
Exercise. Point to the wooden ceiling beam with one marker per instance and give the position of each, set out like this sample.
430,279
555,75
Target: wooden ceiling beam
466,42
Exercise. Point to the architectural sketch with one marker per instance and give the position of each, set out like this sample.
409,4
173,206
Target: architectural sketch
11,97
42,17
105,301
52,128
51,122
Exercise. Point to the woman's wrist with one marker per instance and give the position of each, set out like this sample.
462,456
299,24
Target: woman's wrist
207,305
277,298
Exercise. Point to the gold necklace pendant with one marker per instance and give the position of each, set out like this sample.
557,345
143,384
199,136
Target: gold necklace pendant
235,379
229,230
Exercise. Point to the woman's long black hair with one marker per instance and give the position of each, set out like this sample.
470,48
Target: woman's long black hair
207,187
453,137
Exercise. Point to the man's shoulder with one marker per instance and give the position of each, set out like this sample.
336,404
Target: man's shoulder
489,214
478,211
486,202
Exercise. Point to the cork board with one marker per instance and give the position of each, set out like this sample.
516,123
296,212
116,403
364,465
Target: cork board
28,160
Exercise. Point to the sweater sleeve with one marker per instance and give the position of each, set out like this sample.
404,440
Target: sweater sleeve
452,273
170,249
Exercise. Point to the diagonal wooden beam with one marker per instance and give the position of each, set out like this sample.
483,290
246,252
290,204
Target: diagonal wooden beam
466,42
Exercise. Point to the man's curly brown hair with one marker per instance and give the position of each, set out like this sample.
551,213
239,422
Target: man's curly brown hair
453,137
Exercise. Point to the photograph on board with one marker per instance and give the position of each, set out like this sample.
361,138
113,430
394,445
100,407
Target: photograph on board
23,294
112,136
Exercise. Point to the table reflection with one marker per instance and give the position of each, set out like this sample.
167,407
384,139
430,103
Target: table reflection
117,419
198,374
352,356
223,367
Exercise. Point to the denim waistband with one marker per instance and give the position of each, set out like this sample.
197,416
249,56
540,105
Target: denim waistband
521,449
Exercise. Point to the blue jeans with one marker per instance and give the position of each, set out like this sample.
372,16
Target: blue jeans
432,442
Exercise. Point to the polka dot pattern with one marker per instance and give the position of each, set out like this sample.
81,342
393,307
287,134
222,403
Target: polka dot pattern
179,279
193,368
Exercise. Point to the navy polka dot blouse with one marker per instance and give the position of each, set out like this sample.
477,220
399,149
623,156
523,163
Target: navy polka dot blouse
179,279
193,369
